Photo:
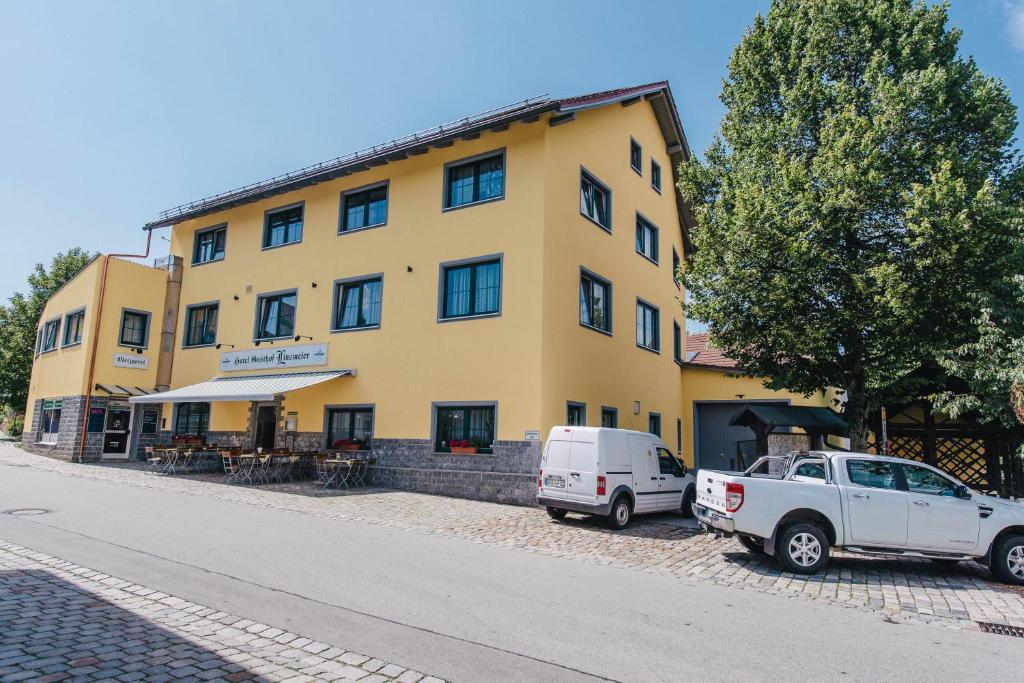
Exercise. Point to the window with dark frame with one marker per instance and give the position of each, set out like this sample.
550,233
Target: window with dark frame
679,435
471,289
358,304
39,339
646,238
192,419
275,316
595,201
51,334
654,424
350,428
595,303
677,342
676,263
575,414
647,326
636,156
364,209
49,421
201,325
464,427
609,417
475,181
283,226
655,175
134,328
209,245
74,327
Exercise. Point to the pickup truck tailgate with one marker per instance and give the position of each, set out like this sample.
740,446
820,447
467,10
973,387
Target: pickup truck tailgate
711,489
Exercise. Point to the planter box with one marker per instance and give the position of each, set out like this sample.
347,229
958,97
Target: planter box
464,450
350,447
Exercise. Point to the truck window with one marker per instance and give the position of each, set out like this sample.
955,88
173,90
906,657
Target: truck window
871,473
668,464
812,470
923,480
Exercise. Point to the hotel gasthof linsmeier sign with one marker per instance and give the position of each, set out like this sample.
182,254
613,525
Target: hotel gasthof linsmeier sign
268,359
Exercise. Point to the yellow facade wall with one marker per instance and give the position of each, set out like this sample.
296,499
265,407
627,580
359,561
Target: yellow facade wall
581,364
708,384
64,371
412,359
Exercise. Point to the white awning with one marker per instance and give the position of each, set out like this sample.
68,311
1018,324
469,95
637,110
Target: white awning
247,388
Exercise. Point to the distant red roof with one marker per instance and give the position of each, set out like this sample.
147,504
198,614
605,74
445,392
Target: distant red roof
700,352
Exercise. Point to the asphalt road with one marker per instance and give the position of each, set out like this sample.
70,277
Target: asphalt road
468,611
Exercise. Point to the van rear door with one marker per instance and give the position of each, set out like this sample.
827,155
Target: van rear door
555,468
582,486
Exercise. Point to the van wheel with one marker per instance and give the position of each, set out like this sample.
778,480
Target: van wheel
556,513
754,545
802,548
1007,562
689,497
620,514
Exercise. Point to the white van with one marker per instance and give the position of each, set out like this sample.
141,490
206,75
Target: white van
612,473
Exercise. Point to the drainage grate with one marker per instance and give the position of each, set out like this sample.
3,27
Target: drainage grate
26,511
1002,629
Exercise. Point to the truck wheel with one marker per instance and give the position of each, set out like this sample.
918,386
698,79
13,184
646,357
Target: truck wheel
620,514
1007,562
556,513
688,499
802,548
754,545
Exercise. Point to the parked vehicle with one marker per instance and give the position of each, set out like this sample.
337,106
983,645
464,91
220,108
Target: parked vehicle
612,473
863,503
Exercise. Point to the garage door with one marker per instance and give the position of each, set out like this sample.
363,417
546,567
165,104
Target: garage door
717,442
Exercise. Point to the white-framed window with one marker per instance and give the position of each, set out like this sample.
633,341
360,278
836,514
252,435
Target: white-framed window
49,421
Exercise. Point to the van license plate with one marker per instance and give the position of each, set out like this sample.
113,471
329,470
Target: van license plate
554,481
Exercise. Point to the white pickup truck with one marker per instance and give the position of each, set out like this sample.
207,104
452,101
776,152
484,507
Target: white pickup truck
863,503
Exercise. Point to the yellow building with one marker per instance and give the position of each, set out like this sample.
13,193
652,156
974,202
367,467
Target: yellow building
441,300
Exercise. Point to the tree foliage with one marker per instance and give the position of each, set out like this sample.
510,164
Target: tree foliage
860,198
19,320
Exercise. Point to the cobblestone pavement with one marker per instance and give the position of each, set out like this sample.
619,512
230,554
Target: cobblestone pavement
61,621
903,589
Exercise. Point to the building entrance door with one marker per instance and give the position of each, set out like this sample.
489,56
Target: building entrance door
116,429
266,426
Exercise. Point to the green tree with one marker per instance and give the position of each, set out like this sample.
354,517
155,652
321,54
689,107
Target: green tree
861,195
19,320
990,368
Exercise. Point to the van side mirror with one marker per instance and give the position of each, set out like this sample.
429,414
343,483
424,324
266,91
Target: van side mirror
962,491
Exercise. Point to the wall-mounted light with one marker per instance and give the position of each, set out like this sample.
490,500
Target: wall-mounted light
408,269
138,351
236,297
636,407
220,345
313,285
264,341
302,336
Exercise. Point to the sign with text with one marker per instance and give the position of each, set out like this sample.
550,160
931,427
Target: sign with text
131,360
268,359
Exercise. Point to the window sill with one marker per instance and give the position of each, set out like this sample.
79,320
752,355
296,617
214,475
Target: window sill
656,189
46,443
278,246
648,348
131,346
273,339
349,231
469,317
198,346
206,263
648,258
476,203
585,326
606,228
464,455
364,328
639,171
71,345
46,351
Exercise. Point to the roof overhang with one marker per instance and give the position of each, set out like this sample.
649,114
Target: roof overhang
245,388
118,390
808,418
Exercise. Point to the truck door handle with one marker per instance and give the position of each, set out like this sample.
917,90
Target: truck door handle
860,495
661,478
921,503
654,478
574,474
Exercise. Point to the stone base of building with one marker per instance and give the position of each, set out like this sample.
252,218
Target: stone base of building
72,423
495,487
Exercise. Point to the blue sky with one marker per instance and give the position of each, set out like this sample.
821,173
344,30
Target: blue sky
112,111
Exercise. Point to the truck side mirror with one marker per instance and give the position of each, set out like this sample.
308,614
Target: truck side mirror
962,491
682,466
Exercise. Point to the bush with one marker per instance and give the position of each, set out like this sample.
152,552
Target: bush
16,426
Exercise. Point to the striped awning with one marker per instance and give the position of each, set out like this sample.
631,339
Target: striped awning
246,388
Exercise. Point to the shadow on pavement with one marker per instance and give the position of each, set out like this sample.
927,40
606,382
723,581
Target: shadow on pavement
51,630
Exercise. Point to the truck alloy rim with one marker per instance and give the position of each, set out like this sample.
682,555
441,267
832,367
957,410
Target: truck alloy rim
805,549
1015,561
